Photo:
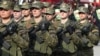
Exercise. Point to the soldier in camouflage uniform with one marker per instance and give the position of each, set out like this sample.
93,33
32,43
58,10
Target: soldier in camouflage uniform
17,15
11,42
25,7
45,6
26,22
44,37
50,14
87,32
67,39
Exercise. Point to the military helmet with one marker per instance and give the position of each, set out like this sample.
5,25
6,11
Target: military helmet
25,5
17,7
6,5
50,10
65,7
37,4
83,9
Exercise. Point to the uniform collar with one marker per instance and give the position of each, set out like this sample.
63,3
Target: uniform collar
8,22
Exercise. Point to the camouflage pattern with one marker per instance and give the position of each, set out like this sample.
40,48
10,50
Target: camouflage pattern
87,41
65,7
23,44
70,48
50,10
6,5
49,41
27,24
17,7
83,9
46,4
86,49
16,41
37,4
25,5
66,48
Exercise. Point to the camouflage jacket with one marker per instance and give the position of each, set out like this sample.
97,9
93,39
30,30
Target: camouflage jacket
14,42
88,37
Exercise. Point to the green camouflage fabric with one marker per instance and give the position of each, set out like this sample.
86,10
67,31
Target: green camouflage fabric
17,7
83,9
16,41
93,37
37,4
49,40
25,5
27,24
6,5
50,10
46,4
65,7
71,47
87,41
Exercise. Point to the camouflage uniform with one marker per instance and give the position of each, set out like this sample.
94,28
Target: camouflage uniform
12,44
48,37
88,34
69,46
17,9
27,24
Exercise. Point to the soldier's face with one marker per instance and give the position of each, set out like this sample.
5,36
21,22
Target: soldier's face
49,17
5,13
64,15
44,10
17,14
25,12
83,16
36,12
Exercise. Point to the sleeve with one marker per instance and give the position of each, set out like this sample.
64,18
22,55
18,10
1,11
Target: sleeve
21,39
53,40
49,36
94,35
77,34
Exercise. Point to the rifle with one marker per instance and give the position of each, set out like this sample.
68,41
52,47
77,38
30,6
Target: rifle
61,33
43,26
10,30
84,31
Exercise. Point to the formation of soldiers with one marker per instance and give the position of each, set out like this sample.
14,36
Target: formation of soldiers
36,29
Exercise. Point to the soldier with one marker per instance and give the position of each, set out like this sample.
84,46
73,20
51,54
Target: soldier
27,23
17,15
43,35
67,40
11,42
87,32
26,11
50,14
45,6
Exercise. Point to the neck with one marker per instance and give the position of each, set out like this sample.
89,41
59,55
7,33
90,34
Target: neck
27,18
82,21
5,21
16,20
63,21
38,19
